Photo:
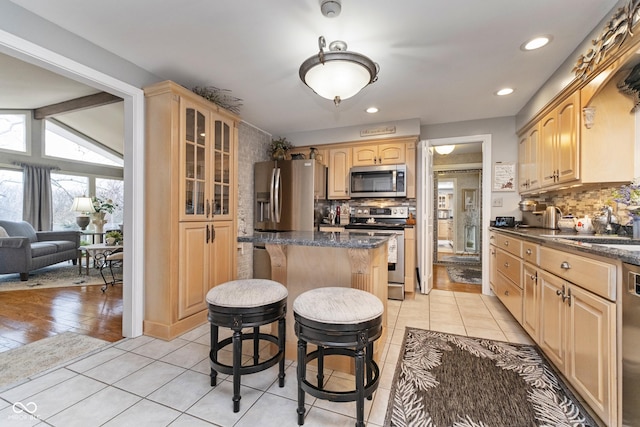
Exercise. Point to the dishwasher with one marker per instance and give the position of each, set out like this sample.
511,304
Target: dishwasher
630,344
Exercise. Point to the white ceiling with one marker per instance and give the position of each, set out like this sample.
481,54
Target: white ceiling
440,61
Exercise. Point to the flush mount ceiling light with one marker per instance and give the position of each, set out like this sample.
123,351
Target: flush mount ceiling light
536,43
444,149
372,110
337,74
505,91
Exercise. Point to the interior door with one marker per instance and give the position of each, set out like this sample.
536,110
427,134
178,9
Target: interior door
425,217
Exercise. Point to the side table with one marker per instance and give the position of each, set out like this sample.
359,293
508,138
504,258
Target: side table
90,251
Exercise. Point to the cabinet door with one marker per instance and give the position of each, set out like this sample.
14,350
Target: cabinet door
222,246
390,154
410,160
365,156
339,165
552,318
548,135
523,164
591,350
567,165
222,153
194,263
531,306
493,267
528,178
195,161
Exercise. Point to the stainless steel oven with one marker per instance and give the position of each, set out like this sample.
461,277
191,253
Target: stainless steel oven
386,221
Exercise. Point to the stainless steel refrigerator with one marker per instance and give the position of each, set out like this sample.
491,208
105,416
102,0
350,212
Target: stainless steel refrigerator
286,192
285,196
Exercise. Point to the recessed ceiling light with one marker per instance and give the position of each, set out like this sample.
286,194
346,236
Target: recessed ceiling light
536,43
372,110
505,91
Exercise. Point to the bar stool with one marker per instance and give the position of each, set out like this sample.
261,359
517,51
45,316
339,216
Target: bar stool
339,321
239,304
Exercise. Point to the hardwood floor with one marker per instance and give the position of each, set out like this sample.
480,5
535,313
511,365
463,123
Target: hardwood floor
31,315
441,281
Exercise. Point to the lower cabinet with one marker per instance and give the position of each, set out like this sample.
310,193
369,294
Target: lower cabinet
531,301
577,333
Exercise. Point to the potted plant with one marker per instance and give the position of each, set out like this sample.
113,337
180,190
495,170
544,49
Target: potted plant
279,147
113,237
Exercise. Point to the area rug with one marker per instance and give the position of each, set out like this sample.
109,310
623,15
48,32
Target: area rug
462,274
461,259
444,380
28,360
55,276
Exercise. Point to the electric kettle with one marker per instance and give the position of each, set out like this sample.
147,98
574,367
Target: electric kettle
550,217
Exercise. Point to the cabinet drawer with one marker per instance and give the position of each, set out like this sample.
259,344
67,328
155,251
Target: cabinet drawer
509,244
531,252
510,295
510,266
596,276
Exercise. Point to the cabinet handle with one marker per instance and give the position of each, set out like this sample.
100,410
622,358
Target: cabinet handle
506,243
534,277
208,234
506,293
506,265
569,297
565,265
213,233
529,252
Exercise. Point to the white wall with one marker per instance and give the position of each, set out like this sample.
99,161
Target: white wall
504,148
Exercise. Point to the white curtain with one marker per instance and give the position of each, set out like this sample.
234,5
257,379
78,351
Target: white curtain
37,206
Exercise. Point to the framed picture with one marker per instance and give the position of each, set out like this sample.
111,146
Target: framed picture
469,199
504,177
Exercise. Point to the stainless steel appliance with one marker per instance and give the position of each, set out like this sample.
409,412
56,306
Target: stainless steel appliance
630,340
285,196
378,181
388,221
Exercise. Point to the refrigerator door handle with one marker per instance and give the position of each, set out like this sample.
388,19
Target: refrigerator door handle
272,195
278,192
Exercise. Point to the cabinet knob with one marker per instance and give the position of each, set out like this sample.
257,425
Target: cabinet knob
506,243
506,293
529,252
506,265
565,265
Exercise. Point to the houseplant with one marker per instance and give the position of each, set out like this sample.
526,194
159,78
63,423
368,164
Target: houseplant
101,208
279,147
113,237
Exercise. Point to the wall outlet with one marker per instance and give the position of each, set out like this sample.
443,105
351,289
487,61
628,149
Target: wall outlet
497,202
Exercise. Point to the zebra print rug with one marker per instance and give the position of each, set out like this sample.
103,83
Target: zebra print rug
445,380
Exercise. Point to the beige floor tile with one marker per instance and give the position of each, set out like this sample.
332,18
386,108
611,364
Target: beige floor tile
344,408
475,312
393,354
379,408
98,408
183,391
510,326
448,328
318,417
398,336
386,376
481,323
150,378
452,317
270,411
144,413
412,323
519,338
490,334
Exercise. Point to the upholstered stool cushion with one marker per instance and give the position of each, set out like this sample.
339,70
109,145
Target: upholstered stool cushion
247,293
338,305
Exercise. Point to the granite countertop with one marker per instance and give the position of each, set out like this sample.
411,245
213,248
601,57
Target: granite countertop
587,243
318,239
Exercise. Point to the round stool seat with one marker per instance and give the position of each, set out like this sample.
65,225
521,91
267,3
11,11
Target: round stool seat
247,293
338,306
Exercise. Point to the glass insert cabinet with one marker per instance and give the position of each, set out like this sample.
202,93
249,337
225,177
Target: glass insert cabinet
207,154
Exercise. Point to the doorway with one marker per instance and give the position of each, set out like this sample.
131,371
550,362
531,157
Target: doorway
457,217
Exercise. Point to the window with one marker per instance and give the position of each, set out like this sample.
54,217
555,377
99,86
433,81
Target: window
64,188
13,132
62,143
11,195
112,189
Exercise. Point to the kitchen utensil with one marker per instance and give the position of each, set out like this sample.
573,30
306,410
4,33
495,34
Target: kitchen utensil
528,205
584,225
550,217
567,223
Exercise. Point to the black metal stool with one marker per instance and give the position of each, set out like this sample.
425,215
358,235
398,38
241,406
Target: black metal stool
242,304
340,321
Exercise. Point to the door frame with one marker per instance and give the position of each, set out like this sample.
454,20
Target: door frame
425,172
133,283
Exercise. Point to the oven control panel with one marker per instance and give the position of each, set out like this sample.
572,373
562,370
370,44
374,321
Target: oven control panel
377,212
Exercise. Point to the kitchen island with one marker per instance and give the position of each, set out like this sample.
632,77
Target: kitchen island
305,260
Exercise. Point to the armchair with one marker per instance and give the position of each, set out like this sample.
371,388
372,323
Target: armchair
23,249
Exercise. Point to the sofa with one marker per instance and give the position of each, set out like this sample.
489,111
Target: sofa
23,249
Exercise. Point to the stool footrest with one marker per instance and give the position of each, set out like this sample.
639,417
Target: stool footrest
247,369
340,396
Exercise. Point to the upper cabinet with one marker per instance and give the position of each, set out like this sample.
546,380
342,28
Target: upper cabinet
528,171
382,154
338,179
559,136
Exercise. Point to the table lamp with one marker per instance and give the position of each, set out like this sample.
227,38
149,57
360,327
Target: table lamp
84,206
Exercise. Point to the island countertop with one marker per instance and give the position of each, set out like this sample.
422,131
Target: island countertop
318,239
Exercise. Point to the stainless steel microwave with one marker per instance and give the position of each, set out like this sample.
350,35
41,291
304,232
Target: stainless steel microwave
378,181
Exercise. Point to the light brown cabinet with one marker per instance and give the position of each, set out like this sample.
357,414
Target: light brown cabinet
528,172
338,179
190,199
409,259
382,154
